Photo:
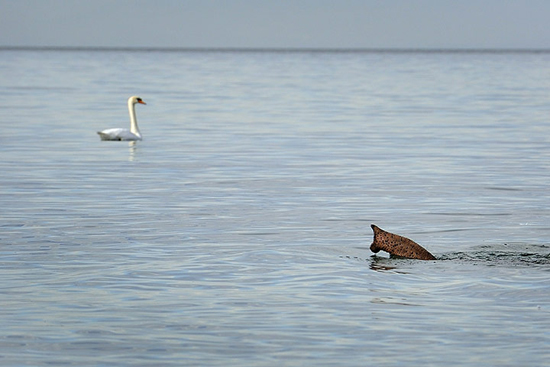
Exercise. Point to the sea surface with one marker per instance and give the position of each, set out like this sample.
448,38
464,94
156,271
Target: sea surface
237,232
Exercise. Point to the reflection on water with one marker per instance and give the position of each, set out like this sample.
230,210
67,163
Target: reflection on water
237,232
132,147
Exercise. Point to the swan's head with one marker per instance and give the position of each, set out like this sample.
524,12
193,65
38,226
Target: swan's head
135,99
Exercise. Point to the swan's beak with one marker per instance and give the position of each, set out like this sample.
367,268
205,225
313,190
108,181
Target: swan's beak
140,101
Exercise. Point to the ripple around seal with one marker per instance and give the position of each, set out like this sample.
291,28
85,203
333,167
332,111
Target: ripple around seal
505,255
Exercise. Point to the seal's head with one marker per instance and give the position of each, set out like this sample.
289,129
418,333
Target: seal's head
374,246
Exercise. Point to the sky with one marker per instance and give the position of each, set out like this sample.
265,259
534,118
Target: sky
388,24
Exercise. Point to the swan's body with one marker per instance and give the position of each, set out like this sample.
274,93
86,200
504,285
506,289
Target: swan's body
125,134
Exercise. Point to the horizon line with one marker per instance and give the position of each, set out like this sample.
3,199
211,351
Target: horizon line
281,49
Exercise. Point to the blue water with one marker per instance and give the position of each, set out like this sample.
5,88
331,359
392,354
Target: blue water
237,232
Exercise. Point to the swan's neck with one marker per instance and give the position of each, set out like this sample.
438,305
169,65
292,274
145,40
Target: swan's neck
133,119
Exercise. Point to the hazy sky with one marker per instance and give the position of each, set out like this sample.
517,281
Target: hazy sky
277,23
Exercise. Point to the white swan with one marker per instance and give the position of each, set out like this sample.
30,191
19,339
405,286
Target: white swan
125,134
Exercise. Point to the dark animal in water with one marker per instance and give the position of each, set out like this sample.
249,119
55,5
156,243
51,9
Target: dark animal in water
398,245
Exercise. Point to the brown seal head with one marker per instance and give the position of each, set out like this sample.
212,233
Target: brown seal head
398,245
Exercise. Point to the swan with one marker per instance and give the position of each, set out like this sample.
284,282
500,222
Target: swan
125,134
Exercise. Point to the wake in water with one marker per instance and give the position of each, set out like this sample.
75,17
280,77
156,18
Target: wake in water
504,255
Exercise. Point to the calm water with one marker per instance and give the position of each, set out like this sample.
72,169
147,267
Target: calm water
237,232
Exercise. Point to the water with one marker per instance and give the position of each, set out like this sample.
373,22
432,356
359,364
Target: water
237,232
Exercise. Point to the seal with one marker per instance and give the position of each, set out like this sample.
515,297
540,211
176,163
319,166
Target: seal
398,245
